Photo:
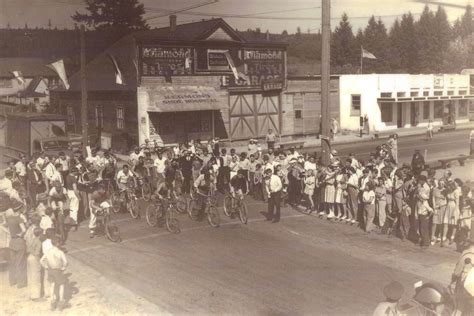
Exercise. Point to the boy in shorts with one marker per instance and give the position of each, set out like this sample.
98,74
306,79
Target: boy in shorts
54,260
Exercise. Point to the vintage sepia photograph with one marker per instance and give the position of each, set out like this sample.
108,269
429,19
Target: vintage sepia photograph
237,157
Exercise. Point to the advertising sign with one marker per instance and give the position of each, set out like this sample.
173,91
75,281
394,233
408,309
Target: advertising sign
261,65
167,61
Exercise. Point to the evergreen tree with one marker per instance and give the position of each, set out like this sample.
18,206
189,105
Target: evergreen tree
284,33
376,41
467,23
396,44
443,36
343,46
408,44
426,39
117,16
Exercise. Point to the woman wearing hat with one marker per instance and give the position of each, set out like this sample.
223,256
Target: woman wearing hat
451,216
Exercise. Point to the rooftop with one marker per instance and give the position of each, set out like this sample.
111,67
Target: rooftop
29,67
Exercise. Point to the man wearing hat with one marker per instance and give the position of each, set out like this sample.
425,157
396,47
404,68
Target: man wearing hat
393,293
417,163
273,186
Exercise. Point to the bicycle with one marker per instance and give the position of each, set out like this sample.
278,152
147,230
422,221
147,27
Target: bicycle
145,188
210,208
130,201
155,212
103,223
234,205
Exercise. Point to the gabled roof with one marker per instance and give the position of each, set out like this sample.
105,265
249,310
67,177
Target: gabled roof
195,31
101,72
29,67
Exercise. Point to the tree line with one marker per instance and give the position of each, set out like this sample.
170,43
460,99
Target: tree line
429,44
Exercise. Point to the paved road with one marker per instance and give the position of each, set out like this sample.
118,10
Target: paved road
302,265
443,145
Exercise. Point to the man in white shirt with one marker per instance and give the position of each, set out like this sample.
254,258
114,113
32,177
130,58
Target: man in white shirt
273,187
160,164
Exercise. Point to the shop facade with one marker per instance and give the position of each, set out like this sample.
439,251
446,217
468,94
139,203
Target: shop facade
190,81
392,101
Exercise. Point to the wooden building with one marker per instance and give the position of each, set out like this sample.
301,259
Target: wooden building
181,82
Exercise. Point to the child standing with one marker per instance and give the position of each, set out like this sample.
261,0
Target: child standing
309,185
54,260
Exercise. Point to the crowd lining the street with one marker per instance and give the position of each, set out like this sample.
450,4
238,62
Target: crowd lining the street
43,197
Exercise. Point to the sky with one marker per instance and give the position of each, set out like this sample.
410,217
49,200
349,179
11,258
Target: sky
279,14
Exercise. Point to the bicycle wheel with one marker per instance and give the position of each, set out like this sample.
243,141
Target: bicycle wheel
146,191
172,223
116,202
191,212
112,231
228,205
153,214
133,208
243,212
181,204
213,216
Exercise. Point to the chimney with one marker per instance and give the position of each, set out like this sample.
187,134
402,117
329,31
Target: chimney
173,19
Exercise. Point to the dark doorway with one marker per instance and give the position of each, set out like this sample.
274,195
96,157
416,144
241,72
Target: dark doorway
399,115
413,114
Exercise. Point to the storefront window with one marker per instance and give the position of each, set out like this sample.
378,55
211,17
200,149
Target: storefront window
386,112
462,108
438,109
355,105
426,111
70,115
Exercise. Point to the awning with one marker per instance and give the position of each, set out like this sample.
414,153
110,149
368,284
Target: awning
425,98
185,98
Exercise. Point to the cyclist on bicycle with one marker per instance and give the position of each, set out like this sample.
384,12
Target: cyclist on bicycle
124,178
203,185
238,186
98,197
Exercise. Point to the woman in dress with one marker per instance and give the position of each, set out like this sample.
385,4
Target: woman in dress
451,215
330,190
439,207
381,201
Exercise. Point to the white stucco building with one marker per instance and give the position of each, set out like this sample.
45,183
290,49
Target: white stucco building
393,101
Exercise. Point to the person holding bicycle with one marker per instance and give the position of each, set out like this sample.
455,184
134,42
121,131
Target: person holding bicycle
165,192
97,198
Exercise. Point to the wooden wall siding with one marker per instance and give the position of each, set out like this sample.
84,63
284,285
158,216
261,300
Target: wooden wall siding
251,115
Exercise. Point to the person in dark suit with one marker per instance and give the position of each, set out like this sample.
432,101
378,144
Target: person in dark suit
35,184
187,170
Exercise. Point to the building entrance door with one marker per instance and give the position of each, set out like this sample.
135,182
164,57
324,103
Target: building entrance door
413,114
399,115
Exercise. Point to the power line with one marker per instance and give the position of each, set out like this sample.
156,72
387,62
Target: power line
183,9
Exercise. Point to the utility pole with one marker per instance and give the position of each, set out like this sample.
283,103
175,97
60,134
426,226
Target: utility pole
325,81
84,114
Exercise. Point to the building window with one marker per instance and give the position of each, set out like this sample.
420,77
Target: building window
401,94
6,83
120,117
426,111
355,105
450,92
386,94
298,114
289,100
386,112
99,116
438,93
414,93
426,93
462,92
438,110
462,112
70,115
